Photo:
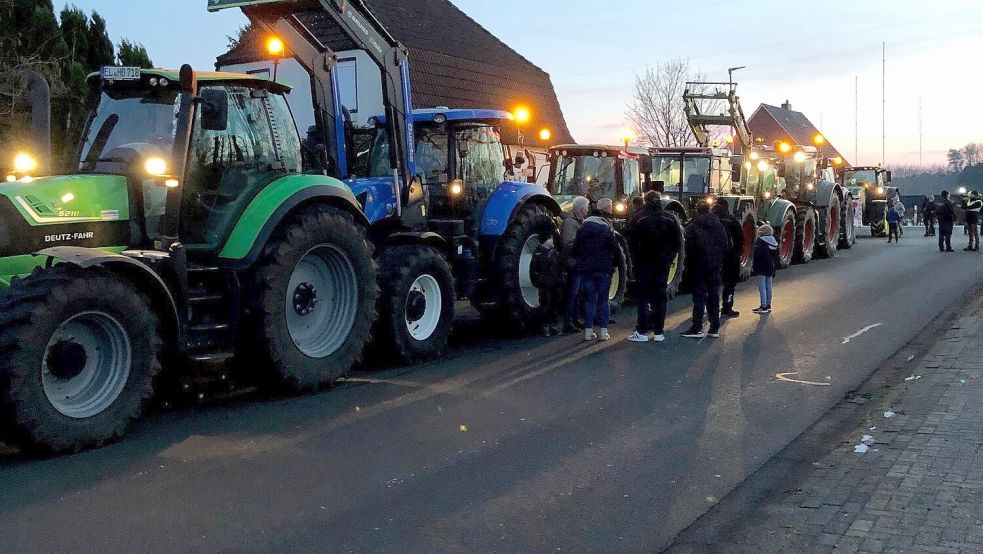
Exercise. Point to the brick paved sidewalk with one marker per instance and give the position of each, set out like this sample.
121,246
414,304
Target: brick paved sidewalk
918,488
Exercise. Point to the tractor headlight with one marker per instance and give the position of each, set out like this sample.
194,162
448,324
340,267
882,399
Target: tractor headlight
457,187
25,163
172,183
11,178
620,208
155,166
767,195
799,157
763,166
755,156
810,186
880,191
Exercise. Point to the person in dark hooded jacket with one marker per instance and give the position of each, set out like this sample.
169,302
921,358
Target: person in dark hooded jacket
655,244
731,273
946,213
706,246
766,263
597,253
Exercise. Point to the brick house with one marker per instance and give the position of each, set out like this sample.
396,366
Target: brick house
771,123
454,62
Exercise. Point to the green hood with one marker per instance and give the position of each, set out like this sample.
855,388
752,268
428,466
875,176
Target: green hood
69,199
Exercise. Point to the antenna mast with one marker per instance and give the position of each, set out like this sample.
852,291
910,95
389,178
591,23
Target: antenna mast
883,103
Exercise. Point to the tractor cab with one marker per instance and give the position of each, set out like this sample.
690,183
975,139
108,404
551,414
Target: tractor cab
595,171
240,139
871,181
692,174
460,160
759,176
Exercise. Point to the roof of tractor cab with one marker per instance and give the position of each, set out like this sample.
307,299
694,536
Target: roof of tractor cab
453,114
690,150
174,75
591,147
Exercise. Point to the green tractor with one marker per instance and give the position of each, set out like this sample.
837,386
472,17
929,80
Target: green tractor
870,186
186,229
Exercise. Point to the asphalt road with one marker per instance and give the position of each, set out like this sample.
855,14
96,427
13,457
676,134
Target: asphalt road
529,445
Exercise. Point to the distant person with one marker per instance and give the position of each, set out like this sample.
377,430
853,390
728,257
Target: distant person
928,215
655,242
706,247
596,252
858,213
568,234
893,223
946,213
730,275
900,208
766,262
973,207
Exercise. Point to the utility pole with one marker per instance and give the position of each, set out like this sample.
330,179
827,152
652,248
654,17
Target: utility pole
856,119
883,103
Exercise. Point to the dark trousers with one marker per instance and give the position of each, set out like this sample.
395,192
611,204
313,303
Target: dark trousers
572,298
706,299
892,231
945,237
930,226
730,277
972,221
597,308
653,300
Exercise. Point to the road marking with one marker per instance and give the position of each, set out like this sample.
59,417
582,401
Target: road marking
860,332
784,377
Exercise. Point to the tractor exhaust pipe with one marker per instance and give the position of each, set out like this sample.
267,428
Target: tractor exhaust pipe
39,99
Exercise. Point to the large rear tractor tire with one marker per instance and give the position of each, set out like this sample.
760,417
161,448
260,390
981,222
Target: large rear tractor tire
785,234
518,297
829,222
79,351
416,307
619,282
678,267
805,234
848,232
749,229
313,300
877,216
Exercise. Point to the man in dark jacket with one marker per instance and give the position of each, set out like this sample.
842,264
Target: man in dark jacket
973,205
928,215
596,253
706,247
655,242
731,273
946,213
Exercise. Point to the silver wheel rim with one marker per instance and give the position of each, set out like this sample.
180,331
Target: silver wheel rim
86,365
321,301
425,289
530,294
615,284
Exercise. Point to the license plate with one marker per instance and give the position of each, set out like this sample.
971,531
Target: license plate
121,73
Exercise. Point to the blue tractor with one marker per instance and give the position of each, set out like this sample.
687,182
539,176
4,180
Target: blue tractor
485,226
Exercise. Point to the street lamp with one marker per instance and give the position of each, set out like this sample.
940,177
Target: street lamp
275,48
627,136
521,115
545,135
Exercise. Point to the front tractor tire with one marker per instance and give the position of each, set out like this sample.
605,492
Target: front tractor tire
848,231
877,216
517,295
678,267
785,233
313,300
79,352
619,280
829,222
749,230
805,234
416,306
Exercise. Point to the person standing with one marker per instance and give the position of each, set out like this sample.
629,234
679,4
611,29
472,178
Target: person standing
706,246
973,207
730,275
568,234
946,213
655,243
766,262
928,215
596,252
858,213
893,223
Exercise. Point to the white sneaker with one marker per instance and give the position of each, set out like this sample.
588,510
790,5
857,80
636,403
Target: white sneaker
605,335
638,337
589,335
659,338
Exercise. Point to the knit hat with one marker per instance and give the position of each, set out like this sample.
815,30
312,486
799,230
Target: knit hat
765,231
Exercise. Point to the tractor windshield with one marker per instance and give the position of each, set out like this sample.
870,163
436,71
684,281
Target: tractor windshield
586,175
861,178
482,168
800,174
141,120
694,174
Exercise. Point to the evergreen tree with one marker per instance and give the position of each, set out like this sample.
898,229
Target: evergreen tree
101,49
132,54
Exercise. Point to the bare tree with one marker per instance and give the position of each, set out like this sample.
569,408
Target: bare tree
973,154
656,109
956,159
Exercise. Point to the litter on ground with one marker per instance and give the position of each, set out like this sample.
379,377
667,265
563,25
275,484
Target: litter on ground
889,413
860,448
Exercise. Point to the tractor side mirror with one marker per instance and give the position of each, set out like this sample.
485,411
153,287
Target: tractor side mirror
463,148
887,177
781,169
736,172
645,165
659,186
214,110
519,161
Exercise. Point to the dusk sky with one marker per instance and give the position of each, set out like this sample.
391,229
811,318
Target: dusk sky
807,53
